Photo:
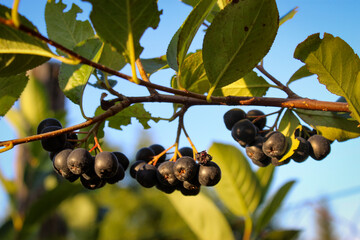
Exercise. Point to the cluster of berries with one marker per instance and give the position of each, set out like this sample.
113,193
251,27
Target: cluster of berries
186,174
73,163
264,146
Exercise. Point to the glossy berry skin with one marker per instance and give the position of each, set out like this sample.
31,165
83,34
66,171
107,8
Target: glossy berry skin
157,149
47,123
253,114
185,168
53,144
146,175
233,116
244,132
320,147
275,144
122,159
186,151
106,164
165,174
79,161
146,154
302,152
135,167
60,165
209,174
188,192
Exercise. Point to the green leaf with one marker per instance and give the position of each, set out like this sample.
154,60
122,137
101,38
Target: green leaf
251,85
123,118
265,176
19,52
214,11
336,65
193,76
302,72
288,125
152,65
333,126
190,28
63,27
281,235
34,102
272,206
238,38
288,16
10,89
202,216
119,21
73,78
171,52
47,203
111,58
239,188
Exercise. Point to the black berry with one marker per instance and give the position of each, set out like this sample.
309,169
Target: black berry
146,154
320,147
243,132
165,174
135,167
233,116
209,174
146,175
185,168
302,152
106,164
79,161
47,123
60,165
275,144
53,144
122,159
255,153
254,114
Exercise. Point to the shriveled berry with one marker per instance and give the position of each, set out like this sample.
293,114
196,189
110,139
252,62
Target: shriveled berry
135,167
302,152
254,114
233,116
47,123
106,164
79,161
275,144
165,174
146,154
320,147
53,144
243,132
146,175
122,159
60,165
203,157
185,168
209,174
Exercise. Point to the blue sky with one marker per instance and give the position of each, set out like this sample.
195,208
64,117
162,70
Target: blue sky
315,180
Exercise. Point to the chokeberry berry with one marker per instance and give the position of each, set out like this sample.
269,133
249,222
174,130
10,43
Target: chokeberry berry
165,173
120,174
186,151
53,144
255,153
157,149
254,114
302,152
185,168
244,132
209,174
106,164
233,116
275,144
79,161
146,154
92,183
47,123
60,165
146,175
122,159
320,147
165,188
135,167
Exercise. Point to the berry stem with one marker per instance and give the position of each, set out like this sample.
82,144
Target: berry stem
144,76
7,147
157,157
181,122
